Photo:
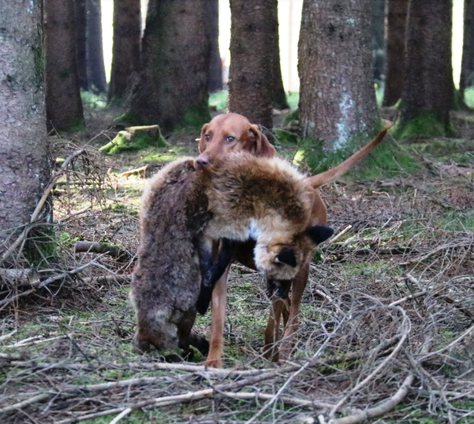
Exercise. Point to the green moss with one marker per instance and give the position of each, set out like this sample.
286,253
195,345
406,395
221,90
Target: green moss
131,140
195,118
425,124
129,118
389,159
77,126
42,245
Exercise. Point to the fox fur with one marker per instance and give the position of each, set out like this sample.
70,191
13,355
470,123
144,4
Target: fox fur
185,209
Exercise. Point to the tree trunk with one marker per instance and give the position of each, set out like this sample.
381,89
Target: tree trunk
126,48
250,73
95,57
63,100
81,41
377,30
428,84
276,86
215,64
24,170
395,56
172,90
467,65
337,96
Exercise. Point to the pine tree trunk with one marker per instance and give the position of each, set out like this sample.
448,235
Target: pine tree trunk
467,65
337,96
80,12
250,73
277,89
95,57
377,30
215,64
126,48
63,100
395,56
172,90
428,84
24,166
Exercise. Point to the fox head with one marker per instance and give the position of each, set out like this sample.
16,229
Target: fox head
282,257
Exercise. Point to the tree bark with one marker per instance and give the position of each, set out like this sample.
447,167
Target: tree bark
95,57
428,84
126,48
277,89
250,73
377,30
467,65
24,167
80,12
337,96
63,100
215,64
395,56
173,86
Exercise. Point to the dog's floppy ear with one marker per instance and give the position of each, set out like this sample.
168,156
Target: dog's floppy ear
286,256
319,233
263,148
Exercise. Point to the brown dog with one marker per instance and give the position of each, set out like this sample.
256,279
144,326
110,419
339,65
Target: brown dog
233,132
186,210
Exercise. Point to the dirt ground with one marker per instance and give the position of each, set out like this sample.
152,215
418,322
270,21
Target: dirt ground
386,328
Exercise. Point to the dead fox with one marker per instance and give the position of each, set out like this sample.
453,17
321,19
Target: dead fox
185,209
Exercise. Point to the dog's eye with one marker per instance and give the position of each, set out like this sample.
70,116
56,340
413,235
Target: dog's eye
207,137
230,139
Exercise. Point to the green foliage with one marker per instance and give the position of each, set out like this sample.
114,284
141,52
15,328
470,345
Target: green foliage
456,220
77,126
93,100
469,97
218,100
293,99
283,136
425,124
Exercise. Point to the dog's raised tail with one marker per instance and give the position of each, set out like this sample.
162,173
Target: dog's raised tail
331,174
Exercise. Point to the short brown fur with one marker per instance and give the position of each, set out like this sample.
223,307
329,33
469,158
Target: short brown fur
215,144
238,198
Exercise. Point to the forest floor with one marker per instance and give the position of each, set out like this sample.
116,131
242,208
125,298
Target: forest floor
387,319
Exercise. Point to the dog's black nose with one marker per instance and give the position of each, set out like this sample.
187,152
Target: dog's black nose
202,161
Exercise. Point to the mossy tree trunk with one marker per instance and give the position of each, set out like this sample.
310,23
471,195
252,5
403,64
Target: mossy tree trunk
95,57
173,85
126,47
337,96
24,166
428,87
63,99
250,74
467,65
395,50
215,63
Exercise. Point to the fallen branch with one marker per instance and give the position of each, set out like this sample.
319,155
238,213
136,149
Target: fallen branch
94,247
19,276
386,406
134,171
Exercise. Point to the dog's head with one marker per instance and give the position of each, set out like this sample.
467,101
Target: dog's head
282,257
231,132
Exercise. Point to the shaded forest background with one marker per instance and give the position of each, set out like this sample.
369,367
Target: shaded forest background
387,323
